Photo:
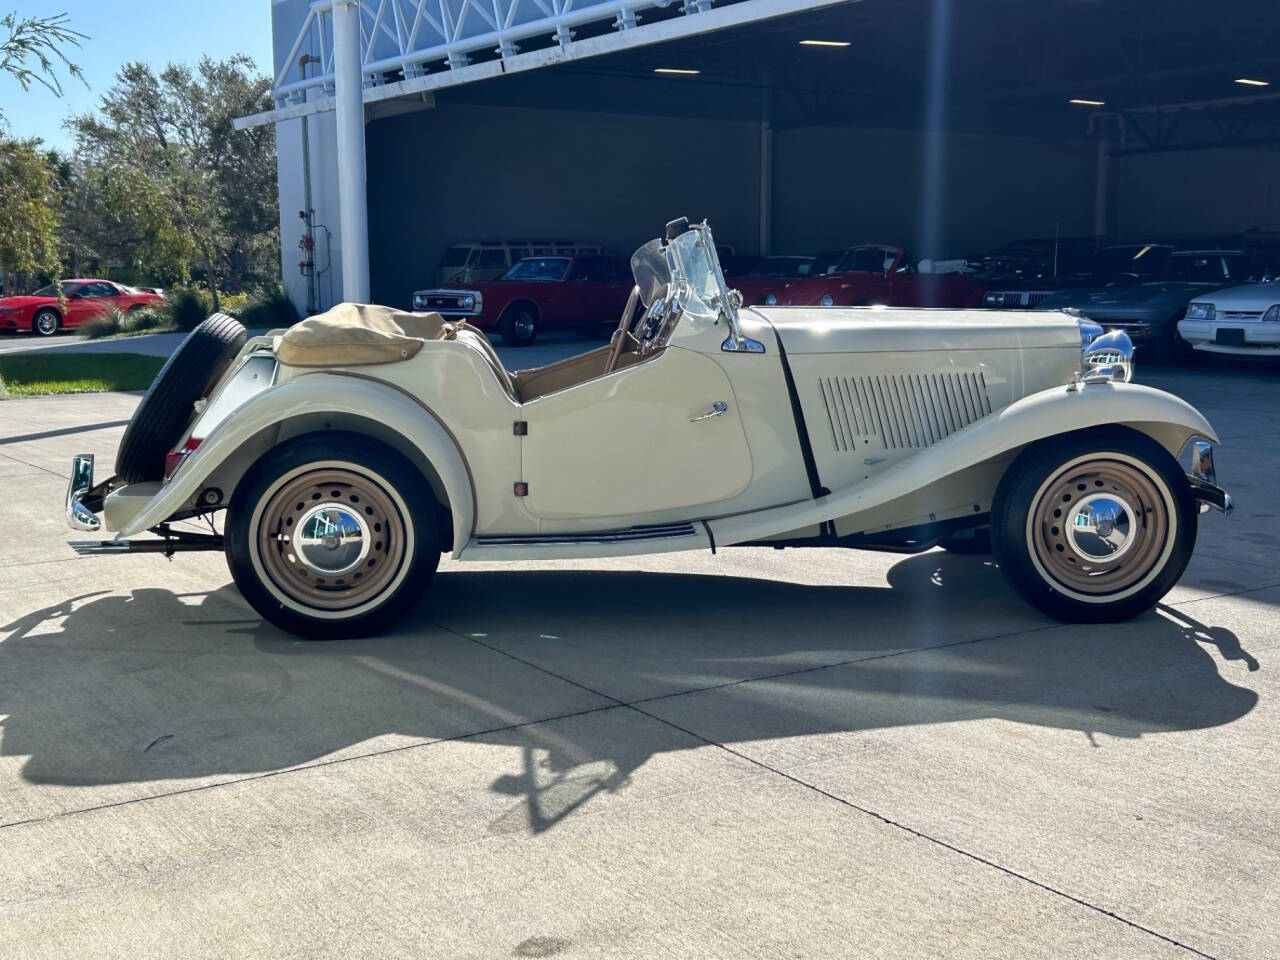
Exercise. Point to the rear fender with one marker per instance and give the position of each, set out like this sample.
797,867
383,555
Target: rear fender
989,442
318,401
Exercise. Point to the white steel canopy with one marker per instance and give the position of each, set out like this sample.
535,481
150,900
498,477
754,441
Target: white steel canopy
414,46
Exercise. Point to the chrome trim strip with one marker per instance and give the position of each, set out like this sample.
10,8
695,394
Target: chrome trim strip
665,532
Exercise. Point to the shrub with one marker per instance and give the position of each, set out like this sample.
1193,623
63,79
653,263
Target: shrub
106,324
147,318
187,307
271,309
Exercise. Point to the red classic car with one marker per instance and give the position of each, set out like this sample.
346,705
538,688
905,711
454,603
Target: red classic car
768,275
45,312
583,293
878,273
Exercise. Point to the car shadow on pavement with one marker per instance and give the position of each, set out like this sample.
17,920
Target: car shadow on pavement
158,686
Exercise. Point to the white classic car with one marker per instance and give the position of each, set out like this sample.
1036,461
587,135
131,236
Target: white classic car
347,453
1240,320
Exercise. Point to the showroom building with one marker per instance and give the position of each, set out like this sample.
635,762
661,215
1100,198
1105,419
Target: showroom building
794,126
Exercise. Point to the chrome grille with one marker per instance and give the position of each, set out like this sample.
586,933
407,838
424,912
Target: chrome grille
1240,315
902,410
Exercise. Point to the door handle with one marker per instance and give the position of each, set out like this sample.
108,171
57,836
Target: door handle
717,409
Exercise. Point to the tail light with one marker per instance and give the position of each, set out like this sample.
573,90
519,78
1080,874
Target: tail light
172,461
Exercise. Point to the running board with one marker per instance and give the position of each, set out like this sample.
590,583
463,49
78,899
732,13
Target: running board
661,538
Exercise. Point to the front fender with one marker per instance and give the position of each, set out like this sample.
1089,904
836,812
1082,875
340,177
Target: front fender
1167,419
308,396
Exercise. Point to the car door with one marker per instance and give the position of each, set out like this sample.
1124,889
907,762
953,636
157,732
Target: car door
663,434
89,301
591,296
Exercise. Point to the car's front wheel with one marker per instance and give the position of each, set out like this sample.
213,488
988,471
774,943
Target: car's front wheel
46,322
519,324
332,535
1095,526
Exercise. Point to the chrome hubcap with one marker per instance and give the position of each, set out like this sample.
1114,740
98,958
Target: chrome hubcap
524,325
1101,527
332,540
46,323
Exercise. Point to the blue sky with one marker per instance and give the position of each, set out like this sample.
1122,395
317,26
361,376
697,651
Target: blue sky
154,31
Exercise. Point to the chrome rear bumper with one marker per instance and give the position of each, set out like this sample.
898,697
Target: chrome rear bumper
80,517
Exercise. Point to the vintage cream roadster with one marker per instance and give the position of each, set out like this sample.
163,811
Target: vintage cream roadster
348,452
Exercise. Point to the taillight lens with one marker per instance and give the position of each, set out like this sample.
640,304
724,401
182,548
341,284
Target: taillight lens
172,461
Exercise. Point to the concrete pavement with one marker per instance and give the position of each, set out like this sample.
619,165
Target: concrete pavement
753,754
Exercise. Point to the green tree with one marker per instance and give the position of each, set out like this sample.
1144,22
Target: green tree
28,221
182,186
32,49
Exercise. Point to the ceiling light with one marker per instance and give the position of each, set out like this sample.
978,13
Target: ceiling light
1253,82
677,71
824,43
1081,102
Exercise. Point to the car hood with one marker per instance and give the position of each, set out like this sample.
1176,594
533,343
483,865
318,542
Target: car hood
24,301
1123,296
1258,296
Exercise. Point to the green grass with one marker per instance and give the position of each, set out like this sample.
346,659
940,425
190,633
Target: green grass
37,374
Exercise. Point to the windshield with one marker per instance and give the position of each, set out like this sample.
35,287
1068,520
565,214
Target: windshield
538,268
52,290
455,257
689,267
867,260
783,267
1206,267
1144,259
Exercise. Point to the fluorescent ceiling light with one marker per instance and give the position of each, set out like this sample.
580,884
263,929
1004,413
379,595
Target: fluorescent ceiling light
1253,82
1080,102
677,71
824,43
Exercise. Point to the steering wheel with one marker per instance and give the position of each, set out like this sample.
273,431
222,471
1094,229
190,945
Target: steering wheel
620,335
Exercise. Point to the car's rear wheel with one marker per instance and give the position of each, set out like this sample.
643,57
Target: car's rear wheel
46,322
332,535
1094,526
519,324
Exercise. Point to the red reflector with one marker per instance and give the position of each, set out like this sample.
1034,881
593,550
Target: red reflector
172,461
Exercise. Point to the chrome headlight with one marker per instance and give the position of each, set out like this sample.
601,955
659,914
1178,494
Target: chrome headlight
467,302
419,302
1089,331
1273,314
827,300
1109,357
1200,311
770,299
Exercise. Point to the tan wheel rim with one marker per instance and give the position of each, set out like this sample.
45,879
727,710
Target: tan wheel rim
331,539
1100,527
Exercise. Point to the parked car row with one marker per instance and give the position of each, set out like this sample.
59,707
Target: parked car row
70,304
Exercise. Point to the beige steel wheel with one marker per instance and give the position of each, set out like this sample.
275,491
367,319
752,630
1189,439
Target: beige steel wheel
330,538
332,535
1094,526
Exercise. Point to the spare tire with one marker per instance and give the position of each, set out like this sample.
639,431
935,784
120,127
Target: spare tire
189,374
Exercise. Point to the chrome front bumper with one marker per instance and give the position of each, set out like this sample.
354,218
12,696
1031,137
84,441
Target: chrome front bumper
80,517
1203,479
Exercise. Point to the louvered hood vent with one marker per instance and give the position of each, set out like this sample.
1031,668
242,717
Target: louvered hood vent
902,410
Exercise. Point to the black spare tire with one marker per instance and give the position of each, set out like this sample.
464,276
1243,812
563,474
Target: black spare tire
197,364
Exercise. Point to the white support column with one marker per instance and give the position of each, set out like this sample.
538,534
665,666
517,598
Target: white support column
353,209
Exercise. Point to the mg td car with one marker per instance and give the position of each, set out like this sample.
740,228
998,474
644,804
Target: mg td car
338,460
